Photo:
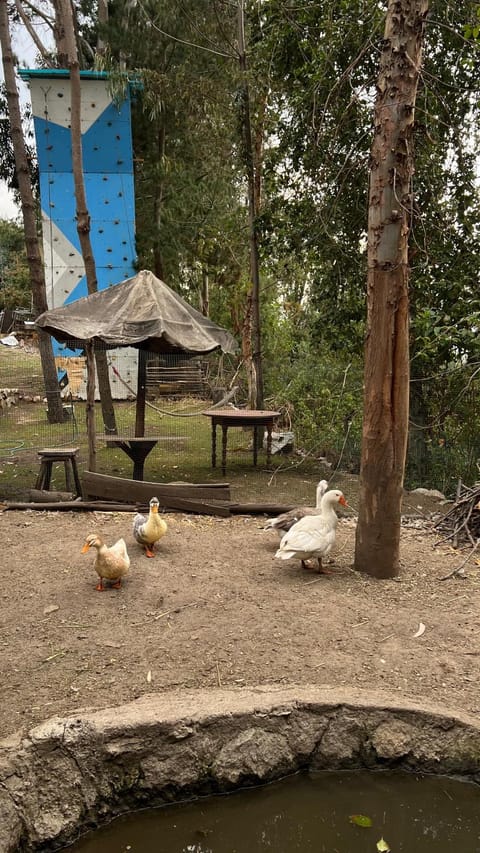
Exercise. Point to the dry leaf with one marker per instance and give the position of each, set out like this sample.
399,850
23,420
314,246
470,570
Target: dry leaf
421,630
149,676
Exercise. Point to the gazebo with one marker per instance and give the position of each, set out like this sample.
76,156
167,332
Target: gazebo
141,312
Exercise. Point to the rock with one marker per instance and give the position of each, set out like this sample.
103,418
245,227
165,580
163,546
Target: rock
429,493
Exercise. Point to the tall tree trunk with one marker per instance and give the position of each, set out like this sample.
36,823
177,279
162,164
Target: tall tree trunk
256,371
205,293
37,273
247,352
83,216
385,421
158,267
102,20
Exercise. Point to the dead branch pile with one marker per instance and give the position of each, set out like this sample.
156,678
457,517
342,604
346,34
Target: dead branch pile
461,524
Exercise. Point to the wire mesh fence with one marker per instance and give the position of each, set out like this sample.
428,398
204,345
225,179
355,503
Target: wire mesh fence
178,391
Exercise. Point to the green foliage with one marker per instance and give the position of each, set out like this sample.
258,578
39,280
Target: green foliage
7,158
189,214
14,273
319,394
471,30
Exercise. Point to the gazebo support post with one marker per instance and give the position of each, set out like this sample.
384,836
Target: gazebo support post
141,394
90,413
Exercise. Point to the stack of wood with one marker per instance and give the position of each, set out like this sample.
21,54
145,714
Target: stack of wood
117,494
180,380
461,524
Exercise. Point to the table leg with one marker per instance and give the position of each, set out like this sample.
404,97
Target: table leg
269,443
224,448
255,444
138,467
214,444
137,452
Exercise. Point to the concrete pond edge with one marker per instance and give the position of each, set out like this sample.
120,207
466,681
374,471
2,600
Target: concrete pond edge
72,774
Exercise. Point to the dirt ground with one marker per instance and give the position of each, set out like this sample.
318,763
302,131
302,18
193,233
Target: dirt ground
215,608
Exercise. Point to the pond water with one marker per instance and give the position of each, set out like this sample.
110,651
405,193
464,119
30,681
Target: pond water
311,813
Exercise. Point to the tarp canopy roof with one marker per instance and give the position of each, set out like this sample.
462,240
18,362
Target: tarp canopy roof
140,312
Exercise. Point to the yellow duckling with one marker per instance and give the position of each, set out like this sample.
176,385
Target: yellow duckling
110,563
148,530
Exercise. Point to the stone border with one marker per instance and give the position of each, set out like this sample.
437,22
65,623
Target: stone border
71,774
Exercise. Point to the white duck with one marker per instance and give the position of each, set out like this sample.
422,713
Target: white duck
110,563
282,523
314,535
149,529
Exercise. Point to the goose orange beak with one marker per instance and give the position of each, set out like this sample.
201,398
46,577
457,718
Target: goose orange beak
85,548
342,501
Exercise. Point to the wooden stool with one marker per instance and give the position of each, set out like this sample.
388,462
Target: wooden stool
67,455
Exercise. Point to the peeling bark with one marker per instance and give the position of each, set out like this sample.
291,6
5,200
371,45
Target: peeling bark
385,423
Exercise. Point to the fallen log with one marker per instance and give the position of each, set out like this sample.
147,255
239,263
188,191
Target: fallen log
196,507
70,506
44,496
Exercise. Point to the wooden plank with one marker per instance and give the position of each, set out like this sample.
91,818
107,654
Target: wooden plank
122,489
111,439
260,509
197,507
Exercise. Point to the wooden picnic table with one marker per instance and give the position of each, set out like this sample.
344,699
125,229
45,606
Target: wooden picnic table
239,418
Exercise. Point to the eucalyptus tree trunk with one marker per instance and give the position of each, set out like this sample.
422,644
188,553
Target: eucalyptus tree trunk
83,217
55,412
255,371
205,293
386,388
158,266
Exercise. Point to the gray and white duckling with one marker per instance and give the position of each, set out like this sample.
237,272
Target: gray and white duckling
148,530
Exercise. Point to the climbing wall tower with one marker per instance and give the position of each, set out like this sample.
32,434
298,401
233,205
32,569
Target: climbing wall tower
109,185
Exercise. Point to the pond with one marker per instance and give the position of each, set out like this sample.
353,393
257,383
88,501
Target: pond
312,813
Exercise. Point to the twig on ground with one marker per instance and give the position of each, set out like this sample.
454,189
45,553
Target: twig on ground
458,572
219,680
61,653
172,610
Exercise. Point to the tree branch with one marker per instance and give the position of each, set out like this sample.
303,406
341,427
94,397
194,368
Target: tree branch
44,53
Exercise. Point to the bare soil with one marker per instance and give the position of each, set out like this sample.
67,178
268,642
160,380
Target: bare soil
215,608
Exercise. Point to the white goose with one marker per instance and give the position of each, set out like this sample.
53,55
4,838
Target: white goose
282,523
314,535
